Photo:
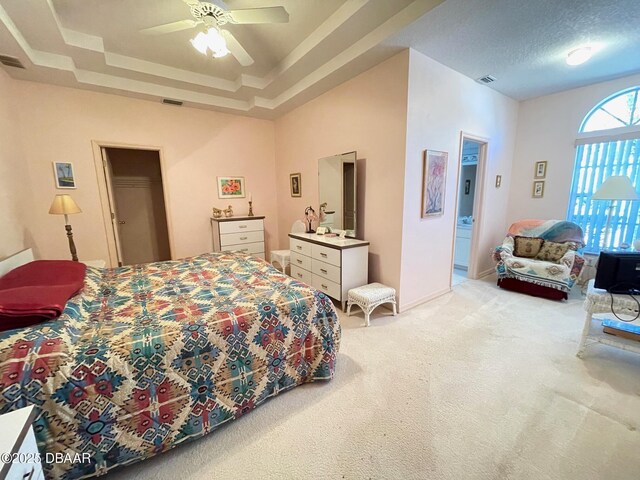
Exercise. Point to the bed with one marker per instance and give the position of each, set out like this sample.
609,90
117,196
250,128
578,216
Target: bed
150,356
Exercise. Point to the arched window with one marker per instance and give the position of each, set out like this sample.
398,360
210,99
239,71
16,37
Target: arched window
608,144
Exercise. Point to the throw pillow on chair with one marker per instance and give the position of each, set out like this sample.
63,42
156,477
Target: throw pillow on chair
527,247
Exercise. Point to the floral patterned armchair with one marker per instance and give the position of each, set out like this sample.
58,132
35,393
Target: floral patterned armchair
539,277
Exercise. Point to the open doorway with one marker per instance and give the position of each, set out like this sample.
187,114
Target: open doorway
136,204
471,171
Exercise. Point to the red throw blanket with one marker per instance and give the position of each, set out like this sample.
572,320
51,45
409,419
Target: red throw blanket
38,291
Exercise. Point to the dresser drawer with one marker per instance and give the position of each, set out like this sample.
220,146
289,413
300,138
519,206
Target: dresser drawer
241,226
327,286
325,254
326,270
253,248
300,246
301,261
302,275
239,238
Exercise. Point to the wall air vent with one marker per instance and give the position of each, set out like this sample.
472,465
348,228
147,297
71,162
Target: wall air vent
11,61
486,79
168,101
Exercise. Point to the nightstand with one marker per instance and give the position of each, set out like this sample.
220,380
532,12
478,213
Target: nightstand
19,442
95,263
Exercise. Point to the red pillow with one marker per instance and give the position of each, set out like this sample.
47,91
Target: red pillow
38,291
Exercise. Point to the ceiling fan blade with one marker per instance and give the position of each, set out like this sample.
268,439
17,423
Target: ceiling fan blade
236,49
260,15
170,27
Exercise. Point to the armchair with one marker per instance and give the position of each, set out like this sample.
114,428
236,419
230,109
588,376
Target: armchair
537,277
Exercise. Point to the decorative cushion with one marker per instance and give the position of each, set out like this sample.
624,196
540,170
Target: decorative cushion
552,251
527,247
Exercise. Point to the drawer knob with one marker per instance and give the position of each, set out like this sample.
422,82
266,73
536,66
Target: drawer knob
244,250
298,260
242,226
323,255
298,247
243,238
323,270
300,275
323,285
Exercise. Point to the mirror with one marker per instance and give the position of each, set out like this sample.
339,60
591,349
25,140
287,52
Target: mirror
337,192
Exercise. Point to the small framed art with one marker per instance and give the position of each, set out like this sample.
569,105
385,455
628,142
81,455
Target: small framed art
541,169
538,189
231,187
295,183
63,173
434,175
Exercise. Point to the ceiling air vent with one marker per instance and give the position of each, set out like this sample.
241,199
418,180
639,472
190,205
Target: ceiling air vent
486,79
11,61
168,101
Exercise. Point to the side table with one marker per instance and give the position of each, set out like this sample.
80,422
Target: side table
599,302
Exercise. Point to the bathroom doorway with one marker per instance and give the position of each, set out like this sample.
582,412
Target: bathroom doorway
135,201
472,157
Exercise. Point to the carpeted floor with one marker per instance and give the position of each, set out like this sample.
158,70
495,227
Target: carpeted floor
478,384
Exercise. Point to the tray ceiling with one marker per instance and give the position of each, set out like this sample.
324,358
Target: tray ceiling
93,44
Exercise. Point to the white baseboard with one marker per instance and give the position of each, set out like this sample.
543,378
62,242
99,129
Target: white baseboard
422,300
486,273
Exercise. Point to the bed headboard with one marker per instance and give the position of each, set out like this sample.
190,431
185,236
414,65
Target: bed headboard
14,261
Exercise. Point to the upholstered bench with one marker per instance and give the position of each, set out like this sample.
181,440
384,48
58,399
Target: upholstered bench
369,297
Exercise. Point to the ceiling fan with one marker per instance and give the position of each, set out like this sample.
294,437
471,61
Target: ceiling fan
212,16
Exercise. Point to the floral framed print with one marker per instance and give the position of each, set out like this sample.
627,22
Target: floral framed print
434,176
541,169
231,187
295,184
538,189
63,173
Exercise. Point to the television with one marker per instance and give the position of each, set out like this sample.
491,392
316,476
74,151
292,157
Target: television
619,272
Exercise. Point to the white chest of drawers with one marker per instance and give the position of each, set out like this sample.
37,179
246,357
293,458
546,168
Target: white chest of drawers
330,264
19,441
238,234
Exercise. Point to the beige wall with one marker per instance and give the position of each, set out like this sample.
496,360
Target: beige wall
547,129
367,114
441,104
198,145
14,187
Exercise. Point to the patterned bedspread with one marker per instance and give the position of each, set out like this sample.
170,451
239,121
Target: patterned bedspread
150,356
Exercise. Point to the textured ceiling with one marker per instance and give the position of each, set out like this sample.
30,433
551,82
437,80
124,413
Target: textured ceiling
524,43
96,44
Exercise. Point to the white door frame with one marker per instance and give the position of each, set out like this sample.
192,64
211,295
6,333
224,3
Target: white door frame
478,203
103,193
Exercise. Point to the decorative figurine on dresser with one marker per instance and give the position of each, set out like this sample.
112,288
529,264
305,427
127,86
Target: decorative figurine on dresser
238,234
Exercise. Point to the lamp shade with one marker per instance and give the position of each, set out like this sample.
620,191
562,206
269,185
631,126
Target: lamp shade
616,188
64,205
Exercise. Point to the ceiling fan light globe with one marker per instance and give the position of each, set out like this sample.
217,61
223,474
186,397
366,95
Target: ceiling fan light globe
220,52
200,43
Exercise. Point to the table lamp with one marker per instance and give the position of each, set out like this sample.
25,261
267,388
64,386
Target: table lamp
65,205
617,187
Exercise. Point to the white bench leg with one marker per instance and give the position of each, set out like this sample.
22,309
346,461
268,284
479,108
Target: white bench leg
349,309
585,334
394,308
366,317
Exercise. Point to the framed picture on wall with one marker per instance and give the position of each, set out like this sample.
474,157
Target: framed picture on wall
434,176
63,173
541,169
538,189
231,187
295,183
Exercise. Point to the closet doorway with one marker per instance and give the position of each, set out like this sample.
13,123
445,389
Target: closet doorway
472,160
135,201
